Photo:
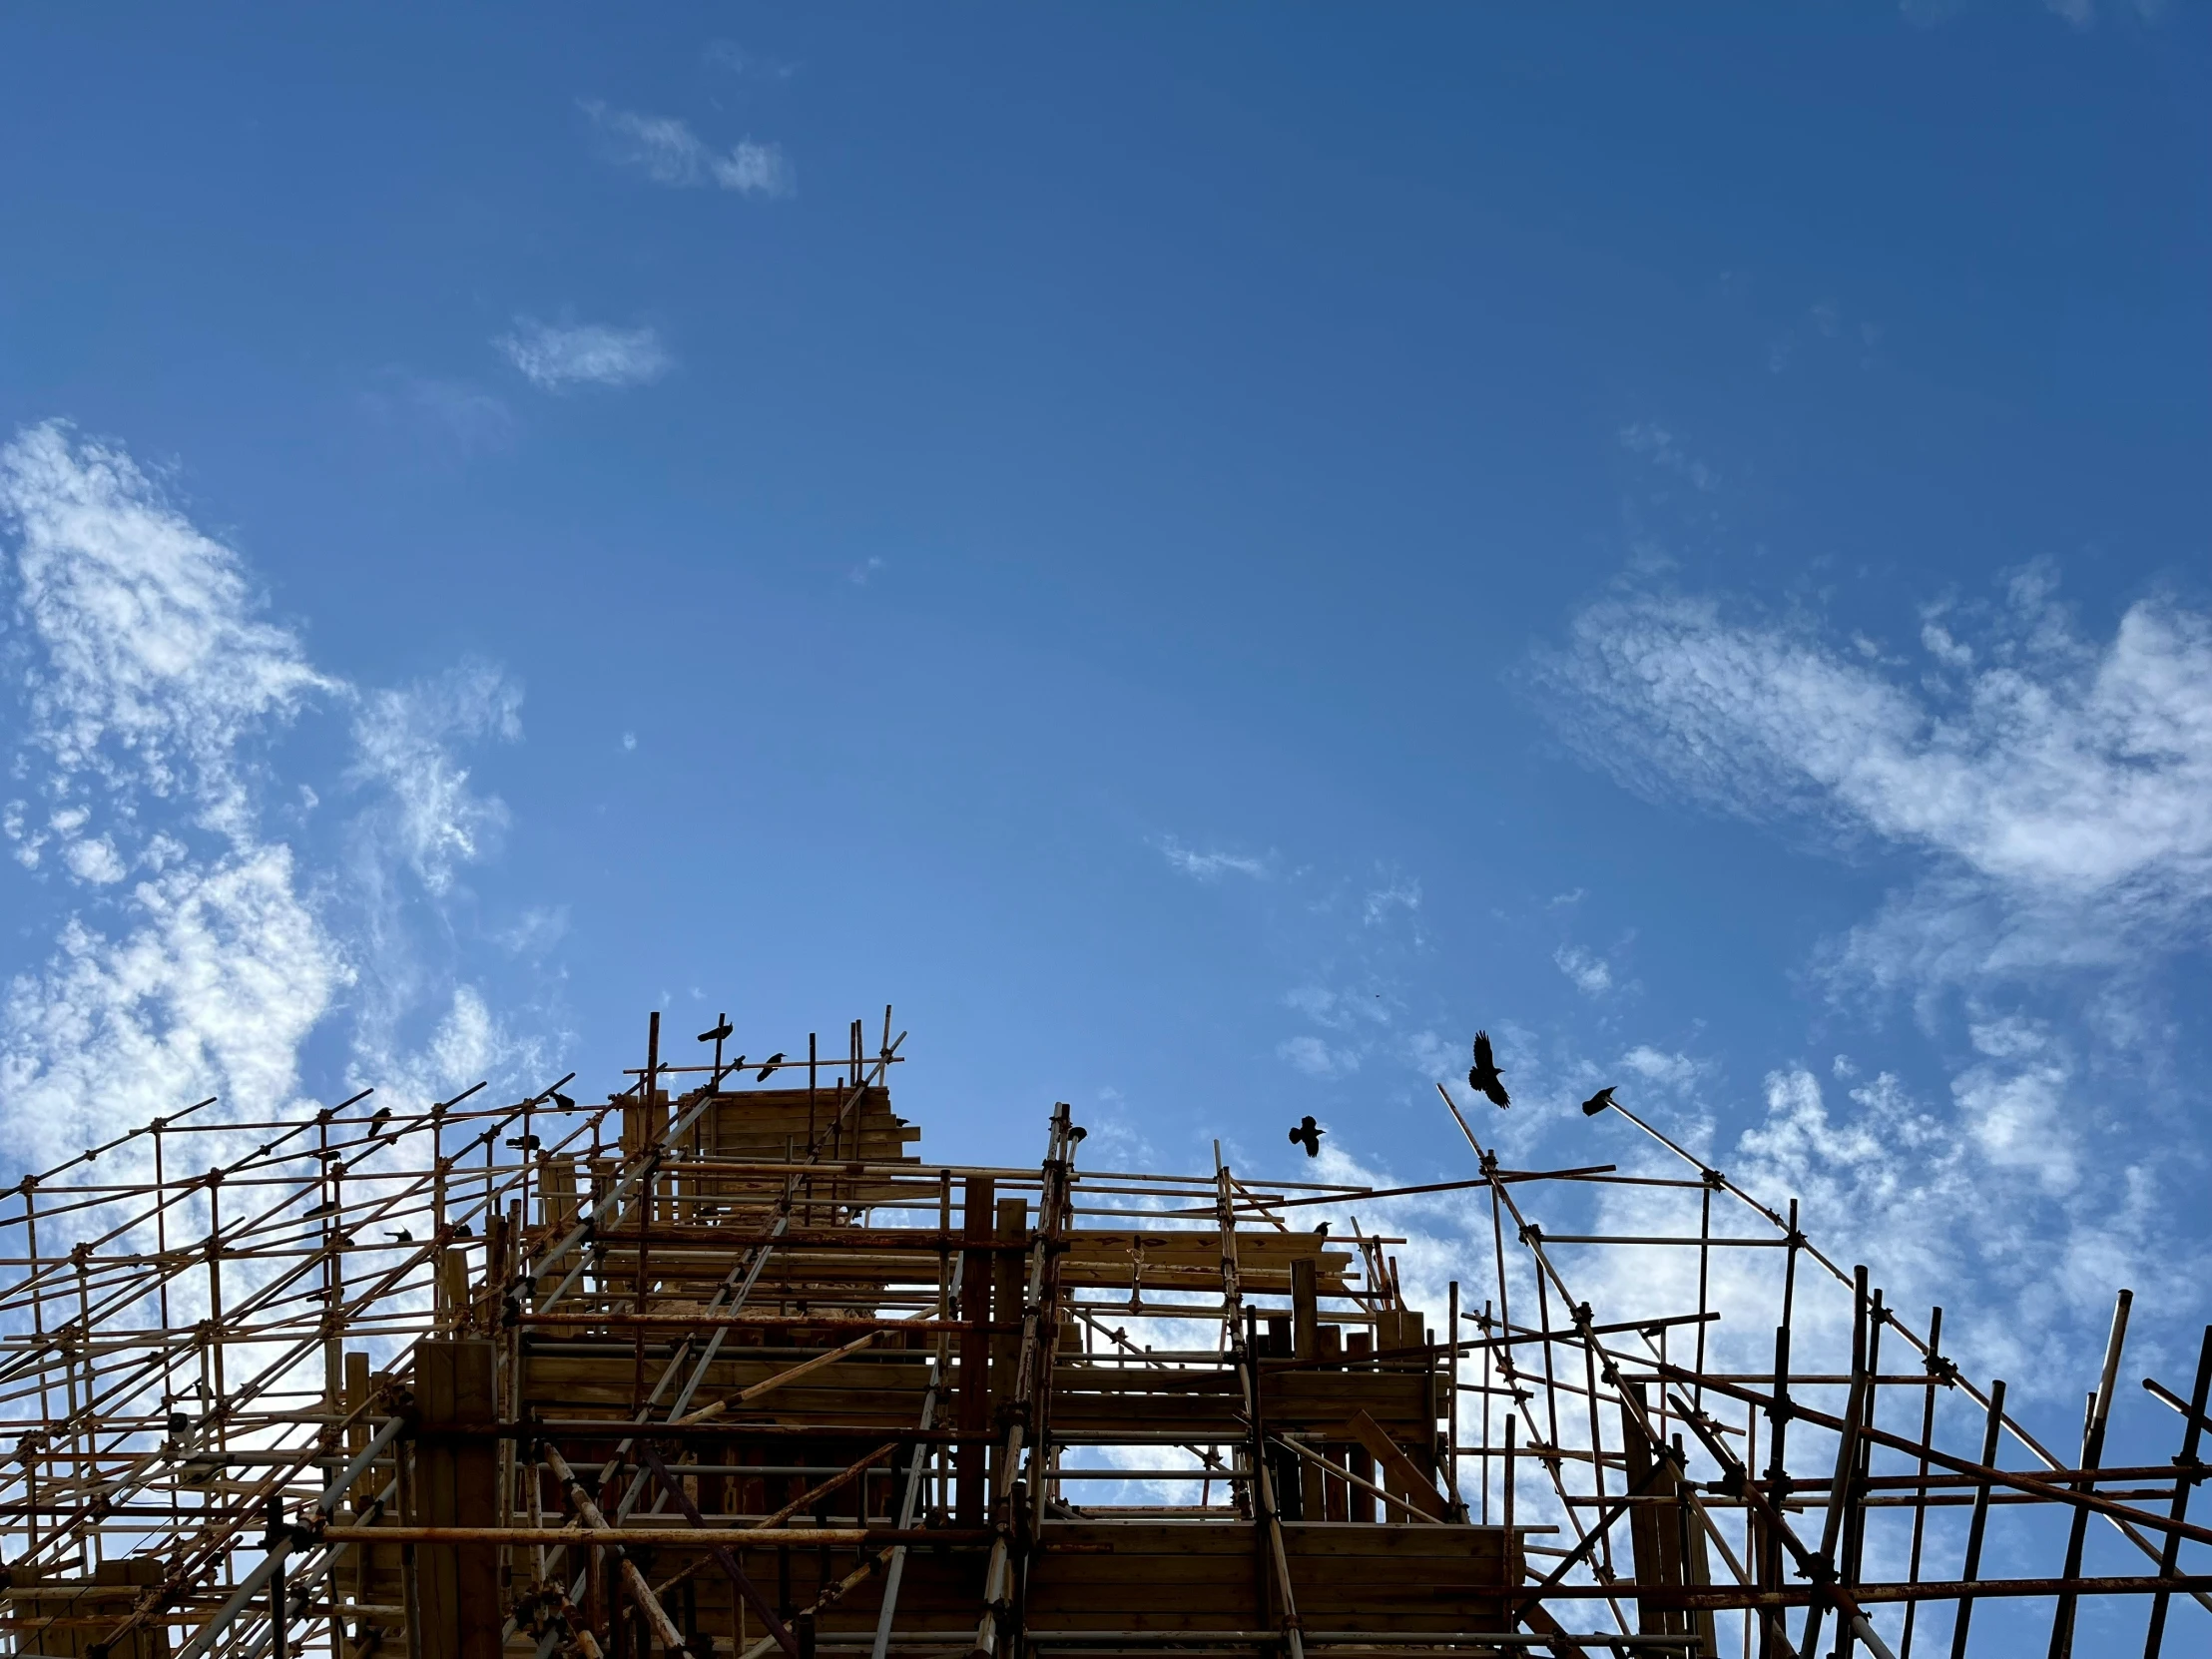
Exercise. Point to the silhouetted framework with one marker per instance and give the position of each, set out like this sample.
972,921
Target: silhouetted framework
721,1366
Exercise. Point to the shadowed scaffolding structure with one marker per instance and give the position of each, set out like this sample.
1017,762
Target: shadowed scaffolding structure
721,1366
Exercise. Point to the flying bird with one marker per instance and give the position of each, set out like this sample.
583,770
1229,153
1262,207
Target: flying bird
1484,1077
1598,1102
403,1236
717,1034
1308,1134
774,1060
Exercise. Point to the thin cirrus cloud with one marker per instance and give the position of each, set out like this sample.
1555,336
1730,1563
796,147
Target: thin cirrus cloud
2059,788
668,151
554,356
1208,866
197,942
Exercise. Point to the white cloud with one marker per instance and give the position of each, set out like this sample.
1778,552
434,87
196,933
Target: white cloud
1592,975
95,860
150,667
1317,1059
460,417
146,681
669,153
2062,787
1396,893
554,356
404,740
1210,867
1675,1071
1657,445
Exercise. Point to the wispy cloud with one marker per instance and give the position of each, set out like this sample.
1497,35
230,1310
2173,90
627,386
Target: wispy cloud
1592,975
150,688
2062,787
461,418
555,356
1210,867
668,151
1317,1058
404,740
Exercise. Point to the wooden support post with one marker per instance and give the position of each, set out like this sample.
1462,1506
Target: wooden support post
1992,1433
455,1478
1405,1477
975,1348
1654,1545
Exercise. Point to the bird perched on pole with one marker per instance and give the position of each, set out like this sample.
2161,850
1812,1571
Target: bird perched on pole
719,1034
1598,1102
774,1060
1308,1134
1483,1076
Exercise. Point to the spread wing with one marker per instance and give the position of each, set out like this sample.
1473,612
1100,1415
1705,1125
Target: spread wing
1482,1060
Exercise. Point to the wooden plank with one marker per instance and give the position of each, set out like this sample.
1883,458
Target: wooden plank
456,1485
1416,1488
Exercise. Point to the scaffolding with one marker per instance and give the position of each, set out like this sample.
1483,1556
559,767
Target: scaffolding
720,1366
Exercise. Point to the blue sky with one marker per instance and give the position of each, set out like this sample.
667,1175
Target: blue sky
1201,553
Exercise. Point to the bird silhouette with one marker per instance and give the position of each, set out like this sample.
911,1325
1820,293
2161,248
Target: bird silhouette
772,1061
378,1118
1484,1077
1308,1134
524,1143
464,1230
1598,1102
1322,1232
563,1102
403,1236
717,1034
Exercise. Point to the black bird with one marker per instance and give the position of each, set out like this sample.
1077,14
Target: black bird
1598,1102
1322,1232
403,1236
464,1230
563,1102
1308,1134
524,1143
1484,1079
378,1118
717,1034
774,1060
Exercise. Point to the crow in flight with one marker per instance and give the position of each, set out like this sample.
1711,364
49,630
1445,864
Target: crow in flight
1308,1134
774,1060
1484,1079
717,1034
1598,1102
